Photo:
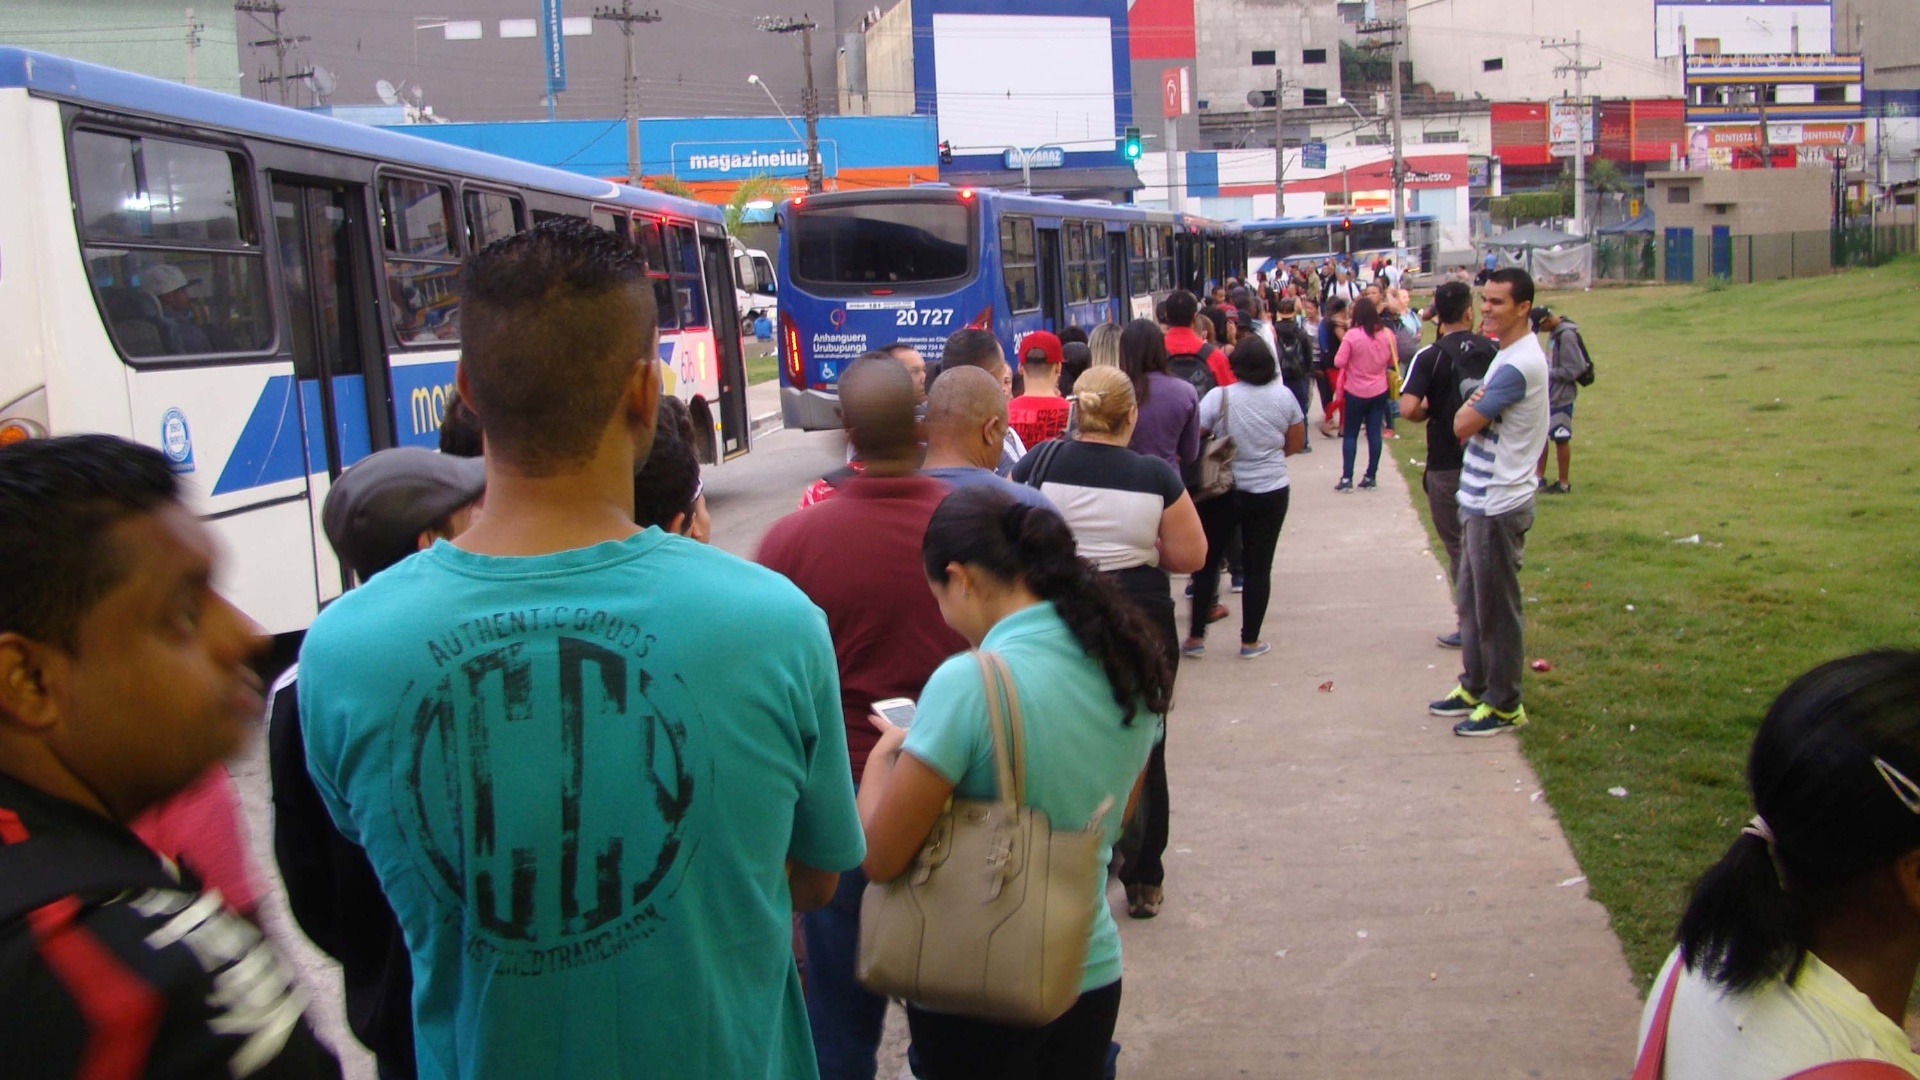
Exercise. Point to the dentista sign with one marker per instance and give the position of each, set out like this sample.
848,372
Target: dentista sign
740,160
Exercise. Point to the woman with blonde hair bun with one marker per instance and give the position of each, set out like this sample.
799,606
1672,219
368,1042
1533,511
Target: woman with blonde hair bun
1132,518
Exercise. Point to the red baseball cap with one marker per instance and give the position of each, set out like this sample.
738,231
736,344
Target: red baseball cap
1042,343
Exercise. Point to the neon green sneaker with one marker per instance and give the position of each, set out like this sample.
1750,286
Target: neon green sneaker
1457,703
1487,720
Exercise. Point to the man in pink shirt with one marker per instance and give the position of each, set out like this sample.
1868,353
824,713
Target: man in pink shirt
1366,352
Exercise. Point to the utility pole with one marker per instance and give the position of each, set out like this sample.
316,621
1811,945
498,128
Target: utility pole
809,99
282,44
1279,141
627,18
194,30
1397,28
1579,71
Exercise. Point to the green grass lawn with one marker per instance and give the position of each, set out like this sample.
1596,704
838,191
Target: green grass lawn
1778,422
763,367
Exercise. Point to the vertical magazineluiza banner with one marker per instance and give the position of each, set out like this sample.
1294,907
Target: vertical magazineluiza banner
551,27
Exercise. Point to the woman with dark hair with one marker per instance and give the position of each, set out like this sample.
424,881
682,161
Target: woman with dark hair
1332,328
1265,421
1800,946
1093,683
1132,516
1169,424
1366,352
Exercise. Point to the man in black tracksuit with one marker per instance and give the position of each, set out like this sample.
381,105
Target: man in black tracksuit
123,677
386,507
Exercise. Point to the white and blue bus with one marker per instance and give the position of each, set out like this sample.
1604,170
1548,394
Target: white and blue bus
268,295
859,270
1275,240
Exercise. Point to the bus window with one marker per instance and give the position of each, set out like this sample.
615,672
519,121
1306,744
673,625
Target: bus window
1076,262
1096,260
683,263
171,245
1164,278
490,216
653,252
1022,267
423,265
881,243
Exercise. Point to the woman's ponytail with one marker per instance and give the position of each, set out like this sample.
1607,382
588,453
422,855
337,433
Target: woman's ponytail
1740,928
987,528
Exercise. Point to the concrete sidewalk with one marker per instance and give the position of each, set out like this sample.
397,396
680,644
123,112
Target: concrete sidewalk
1352,890
763,408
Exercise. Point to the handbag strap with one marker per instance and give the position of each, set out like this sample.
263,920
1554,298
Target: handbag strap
1653,1053
1005,723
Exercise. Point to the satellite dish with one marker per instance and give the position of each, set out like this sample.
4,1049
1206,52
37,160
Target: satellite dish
388,95
1256,98
324,83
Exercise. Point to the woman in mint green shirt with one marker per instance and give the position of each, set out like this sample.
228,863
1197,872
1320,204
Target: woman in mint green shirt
1093,683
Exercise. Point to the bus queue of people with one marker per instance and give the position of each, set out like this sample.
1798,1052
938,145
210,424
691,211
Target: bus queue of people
531,779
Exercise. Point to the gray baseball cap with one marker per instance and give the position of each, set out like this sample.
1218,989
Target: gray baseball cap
375,512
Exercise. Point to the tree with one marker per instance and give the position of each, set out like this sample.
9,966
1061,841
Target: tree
669,185
762,188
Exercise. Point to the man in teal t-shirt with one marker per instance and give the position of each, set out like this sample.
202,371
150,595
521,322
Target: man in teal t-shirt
596,768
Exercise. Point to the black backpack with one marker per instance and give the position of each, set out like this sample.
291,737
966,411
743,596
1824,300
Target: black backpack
1585,378
1193,369
1295,354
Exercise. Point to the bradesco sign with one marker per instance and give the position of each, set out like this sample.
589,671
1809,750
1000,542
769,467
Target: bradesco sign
740,160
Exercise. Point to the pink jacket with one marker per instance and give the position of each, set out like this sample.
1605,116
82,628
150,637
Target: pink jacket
1365,358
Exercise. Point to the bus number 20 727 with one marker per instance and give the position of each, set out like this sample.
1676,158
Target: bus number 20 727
923,317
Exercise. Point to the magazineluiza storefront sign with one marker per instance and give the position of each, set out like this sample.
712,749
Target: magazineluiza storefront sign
740,160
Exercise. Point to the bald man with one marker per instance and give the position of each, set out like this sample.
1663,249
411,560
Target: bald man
966,431
857,556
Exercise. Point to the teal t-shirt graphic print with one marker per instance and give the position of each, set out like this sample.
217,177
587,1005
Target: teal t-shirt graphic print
579,777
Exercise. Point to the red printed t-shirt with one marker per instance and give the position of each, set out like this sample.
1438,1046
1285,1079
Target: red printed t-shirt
1037,418
857,556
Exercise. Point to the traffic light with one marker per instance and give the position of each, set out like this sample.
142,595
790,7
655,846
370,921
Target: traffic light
1131,145
1346,224
946,152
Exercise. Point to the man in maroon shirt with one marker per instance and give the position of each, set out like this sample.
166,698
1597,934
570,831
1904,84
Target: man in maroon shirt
857,556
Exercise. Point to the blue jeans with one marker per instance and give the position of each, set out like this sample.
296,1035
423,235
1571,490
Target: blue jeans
846,1017
1372,412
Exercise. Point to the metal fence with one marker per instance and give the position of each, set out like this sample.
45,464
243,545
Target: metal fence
1683,255
1626,257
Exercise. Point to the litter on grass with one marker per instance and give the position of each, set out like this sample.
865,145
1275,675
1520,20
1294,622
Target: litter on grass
1694,539
1617,792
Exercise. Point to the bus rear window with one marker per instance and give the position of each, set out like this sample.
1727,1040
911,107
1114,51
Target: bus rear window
881,243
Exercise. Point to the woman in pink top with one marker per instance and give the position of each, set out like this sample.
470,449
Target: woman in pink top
1366,352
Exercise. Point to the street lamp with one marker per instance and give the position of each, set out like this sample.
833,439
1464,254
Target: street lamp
755,80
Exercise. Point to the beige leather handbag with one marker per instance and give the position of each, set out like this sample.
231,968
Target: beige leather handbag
991,920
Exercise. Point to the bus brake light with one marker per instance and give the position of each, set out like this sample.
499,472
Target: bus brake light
966,194
982,321
794,363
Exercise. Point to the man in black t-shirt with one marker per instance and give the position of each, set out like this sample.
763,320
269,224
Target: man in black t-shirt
1440,379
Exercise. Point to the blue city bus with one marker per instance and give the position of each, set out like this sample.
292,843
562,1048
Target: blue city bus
864,269
1360,235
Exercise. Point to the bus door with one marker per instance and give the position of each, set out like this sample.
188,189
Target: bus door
325,271
1121,290
1053,298
725,319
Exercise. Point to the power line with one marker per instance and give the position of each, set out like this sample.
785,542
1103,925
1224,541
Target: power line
626,19
282,44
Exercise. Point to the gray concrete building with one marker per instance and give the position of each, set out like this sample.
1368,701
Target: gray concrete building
471,61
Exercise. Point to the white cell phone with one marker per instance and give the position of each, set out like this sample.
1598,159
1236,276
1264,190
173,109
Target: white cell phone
893,712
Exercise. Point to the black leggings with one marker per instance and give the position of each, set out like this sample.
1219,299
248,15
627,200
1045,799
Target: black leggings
1257,518
1151,591
1074,1047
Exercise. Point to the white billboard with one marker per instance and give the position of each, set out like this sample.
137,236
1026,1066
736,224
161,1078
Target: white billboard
1023,80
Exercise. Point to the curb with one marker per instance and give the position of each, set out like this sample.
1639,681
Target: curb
765,422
